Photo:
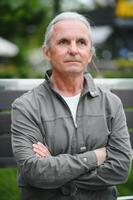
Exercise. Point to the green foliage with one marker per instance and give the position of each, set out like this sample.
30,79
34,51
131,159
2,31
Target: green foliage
23,22
122,63
21,18
125,73
117,73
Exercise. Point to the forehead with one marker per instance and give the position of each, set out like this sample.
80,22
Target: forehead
68,28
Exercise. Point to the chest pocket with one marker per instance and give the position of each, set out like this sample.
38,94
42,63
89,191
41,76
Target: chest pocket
95,131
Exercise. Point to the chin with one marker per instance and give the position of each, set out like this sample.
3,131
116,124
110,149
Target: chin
75,71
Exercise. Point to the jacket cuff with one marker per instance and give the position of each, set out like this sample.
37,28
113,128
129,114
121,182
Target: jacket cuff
89,159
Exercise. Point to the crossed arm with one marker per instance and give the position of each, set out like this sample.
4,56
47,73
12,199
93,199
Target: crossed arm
42,151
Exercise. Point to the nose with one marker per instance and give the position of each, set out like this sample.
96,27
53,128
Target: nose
73,49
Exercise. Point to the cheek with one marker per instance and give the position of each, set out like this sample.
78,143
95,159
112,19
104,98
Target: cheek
57,59
88,58
58,53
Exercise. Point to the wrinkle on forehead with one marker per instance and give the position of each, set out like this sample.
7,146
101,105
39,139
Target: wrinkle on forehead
71,28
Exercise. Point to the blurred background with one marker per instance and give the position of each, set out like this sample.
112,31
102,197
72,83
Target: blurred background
23,24
22,27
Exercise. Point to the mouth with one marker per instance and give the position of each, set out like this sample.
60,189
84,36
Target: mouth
73,61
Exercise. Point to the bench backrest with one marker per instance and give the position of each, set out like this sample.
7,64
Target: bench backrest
6,99
126,97
8,96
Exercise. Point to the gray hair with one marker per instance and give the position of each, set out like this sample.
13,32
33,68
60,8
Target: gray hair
66,16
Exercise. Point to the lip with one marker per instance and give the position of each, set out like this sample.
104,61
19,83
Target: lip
73,61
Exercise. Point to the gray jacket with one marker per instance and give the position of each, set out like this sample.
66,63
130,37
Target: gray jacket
71,172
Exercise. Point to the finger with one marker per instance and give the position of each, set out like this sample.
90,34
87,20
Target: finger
43,146
41,149
40,152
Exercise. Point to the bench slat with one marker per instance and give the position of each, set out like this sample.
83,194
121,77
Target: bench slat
129,118
131,138
6,155
5,146
5,123
8,96
125,198
126,96
7,162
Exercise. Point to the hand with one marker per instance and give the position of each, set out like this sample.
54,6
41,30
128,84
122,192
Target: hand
40,150
101,155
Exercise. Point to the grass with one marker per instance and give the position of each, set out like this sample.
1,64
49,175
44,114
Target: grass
8,185
127,188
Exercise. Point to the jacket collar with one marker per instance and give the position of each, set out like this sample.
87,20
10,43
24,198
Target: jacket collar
90,87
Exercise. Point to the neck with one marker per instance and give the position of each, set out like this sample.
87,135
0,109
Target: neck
67,85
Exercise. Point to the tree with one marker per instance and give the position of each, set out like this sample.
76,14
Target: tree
23,22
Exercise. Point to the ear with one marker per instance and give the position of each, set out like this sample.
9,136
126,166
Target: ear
46,53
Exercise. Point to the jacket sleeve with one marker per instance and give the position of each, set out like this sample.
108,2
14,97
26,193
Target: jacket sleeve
117,166
50,171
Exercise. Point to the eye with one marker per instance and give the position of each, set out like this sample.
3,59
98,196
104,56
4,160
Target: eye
63,41
82,42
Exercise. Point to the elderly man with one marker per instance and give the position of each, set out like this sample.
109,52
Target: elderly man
69,136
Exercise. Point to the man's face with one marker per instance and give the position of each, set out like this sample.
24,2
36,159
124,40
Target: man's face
70,47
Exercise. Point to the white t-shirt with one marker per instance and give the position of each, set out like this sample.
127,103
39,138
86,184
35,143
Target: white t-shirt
72,102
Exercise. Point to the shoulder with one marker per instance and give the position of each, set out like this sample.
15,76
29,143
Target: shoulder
111,100
30,98
109,95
